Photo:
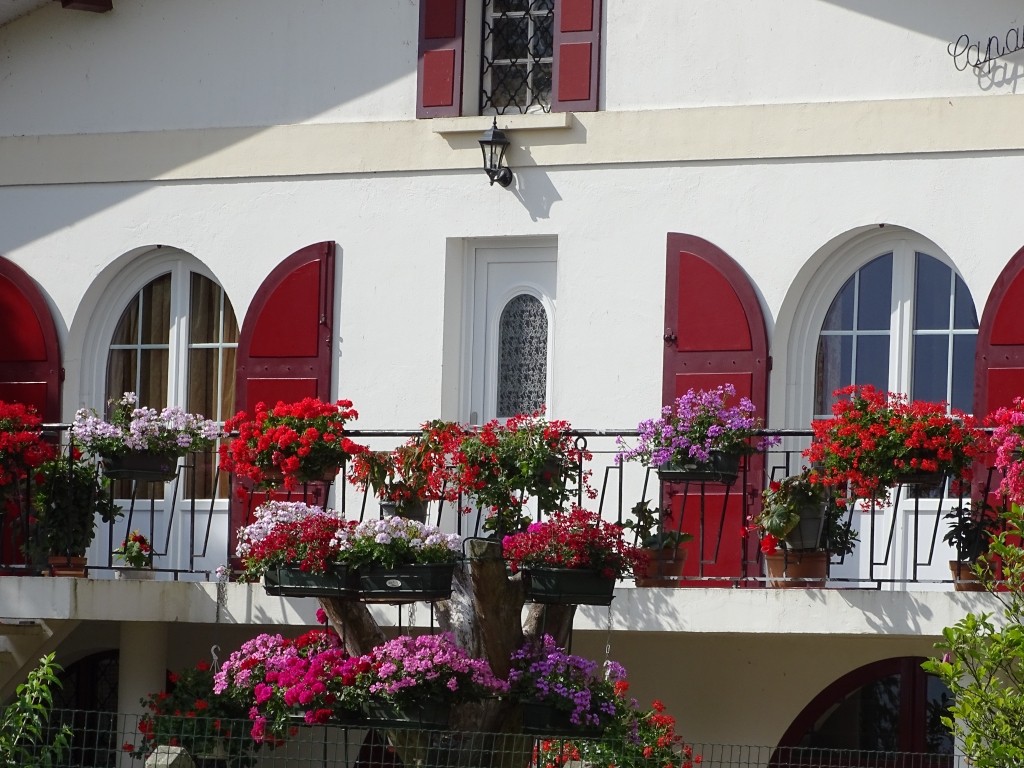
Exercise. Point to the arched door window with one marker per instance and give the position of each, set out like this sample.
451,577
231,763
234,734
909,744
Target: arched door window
887,707
175,344
905,322
522,356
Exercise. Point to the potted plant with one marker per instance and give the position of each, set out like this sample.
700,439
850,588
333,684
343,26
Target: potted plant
67,496
290,444
662,543
504,465
417,680
571,557
1008,442
141,443
700,437
800,528
189,714
560,693
970,533
400,560
877,439
415,473
136,553
294,547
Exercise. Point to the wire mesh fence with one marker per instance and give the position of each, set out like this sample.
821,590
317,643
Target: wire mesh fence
114,740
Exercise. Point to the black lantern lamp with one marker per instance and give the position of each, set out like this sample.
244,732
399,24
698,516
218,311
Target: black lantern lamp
493,145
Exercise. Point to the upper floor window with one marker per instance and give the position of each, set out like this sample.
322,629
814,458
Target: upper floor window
517,55
508,56
904,322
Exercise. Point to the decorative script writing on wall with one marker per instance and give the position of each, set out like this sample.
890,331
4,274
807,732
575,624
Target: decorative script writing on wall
967,54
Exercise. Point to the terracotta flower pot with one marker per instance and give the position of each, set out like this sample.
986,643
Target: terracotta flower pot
797,569
964,577
64,565
664,567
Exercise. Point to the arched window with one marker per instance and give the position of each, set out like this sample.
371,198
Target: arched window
175,344
905,322
522,356
887,707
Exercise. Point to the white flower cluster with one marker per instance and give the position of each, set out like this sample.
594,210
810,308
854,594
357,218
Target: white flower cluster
414,534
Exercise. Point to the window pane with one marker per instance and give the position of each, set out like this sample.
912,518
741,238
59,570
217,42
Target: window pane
510,38
874,304
153,378
509,85
501,6
869,718
930,371
938,739
931,294
121,372
204,310
227,396
127,331
833,370
840,314
963,372
522,356
964,314
202,381
541,82
873,361
156,311
542,43
230,324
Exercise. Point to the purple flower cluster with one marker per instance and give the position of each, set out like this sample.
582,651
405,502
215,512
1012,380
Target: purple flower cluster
542,671
170,431
393,541
697,423
409,668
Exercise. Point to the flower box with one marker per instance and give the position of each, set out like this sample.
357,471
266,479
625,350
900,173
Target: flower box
142,466
430,713
542,718
285,581
721,467
406,583
568,586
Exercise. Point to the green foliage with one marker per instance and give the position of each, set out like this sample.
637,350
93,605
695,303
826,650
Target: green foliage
67,496
983,663
650,529
971,529
24,738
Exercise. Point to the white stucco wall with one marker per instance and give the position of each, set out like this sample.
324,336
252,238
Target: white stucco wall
151,65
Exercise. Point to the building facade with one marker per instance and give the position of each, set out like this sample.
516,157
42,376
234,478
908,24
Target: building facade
217,203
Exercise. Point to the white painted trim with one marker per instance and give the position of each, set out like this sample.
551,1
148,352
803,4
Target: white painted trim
829,129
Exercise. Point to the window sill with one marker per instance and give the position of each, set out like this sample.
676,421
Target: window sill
479,123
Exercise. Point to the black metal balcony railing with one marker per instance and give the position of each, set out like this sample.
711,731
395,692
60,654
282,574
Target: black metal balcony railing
191,532
106,740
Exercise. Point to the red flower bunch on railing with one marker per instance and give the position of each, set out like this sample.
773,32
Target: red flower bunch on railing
578,539
1008,442
300,442
876,438
21,442
502,466
421,469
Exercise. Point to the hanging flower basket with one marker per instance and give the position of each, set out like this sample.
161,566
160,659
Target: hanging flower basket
721,467
406,583
568,586
142,466
543,718
292,581
430,713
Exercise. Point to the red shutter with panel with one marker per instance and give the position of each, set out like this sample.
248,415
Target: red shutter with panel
999,357
714,334
30,369
439,67
577,56
286,344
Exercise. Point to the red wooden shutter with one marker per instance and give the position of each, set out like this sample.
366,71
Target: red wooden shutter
285,346
714,334
577,56
999,360
439,69
30,369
